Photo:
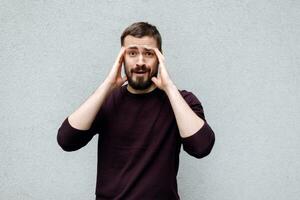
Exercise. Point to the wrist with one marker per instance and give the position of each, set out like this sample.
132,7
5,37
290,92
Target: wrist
170,88
105,87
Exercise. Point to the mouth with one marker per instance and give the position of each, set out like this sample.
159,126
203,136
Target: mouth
140,73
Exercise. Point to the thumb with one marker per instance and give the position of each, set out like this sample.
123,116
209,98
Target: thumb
124,79
154,79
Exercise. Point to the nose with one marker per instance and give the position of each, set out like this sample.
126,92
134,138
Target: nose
140,60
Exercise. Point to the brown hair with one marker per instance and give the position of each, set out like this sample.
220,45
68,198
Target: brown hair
141,29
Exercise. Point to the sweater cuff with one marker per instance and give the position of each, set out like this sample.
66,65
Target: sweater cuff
70,138
199,144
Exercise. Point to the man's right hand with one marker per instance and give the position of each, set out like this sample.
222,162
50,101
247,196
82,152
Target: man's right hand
84,116
114,78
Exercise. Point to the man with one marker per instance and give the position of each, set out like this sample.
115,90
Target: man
141,124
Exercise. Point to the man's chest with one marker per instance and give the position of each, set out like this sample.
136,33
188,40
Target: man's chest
142,124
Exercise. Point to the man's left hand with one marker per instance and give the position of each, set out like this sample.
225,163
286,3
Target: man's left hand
162,80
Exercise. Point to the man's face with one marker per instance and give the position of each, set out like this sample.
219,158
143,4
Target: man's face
140,62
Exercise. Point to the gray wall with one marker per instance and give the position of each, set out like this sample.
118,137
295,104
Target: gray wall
241,59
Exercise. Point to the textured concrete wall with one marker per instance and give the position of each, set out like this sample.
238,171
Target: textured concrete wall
241,58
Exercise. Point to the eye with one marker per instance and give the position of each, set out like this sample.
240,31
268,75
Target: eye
149,54
131,53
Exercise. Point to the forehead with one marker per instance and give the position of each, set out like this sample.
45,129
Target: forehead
143,41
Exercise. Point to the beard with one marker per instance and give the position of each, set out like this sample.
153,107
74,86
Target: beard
140,82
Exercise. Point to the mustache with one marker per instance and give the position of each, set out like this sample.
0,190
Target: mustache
141,68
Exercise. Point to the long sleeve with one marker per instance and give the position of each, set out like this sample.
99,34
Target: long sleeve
72,139
201,143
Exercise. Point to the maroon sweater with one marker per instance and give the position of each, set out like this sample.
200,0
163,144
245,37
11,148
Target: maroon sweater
139,145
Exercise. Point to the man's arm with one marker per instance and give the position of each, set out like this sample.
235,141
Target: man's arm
83,117
197,137
76,130
187,120
200,139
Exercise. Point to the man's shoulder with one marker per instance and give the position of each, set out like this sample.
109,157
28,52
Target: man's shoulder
114,97
189,96
186,93
118,92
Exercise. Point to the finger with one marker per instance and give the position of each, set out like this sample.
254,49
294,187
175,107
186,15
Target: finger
119,61
120,57
121,54
124,79
120,68
155,80
162,68
161,58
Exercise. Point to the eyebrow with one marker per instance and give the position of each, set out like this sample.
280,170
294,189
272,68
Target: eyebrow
135,47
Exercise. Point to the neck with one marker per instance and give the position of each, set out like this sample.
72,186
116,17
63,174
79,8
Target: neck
134,91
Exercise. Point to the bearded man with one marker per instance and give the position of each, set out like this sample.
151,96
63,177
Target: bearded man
142,120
